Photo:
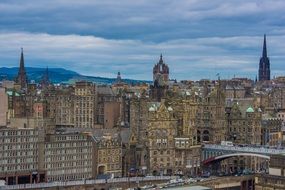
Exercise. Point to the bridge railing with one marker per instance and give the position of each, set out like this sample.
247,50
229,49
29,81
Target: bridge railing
86,182
244,149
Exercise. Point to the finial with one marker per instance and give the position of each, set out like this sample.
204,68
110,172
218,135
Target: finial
22,50
264,52
161,60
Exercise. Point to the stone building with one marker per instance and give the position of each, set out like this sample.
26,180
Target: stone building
138,128
233,91
243,124
27,155
84,105
271,131
162,129
171,151
65,107
40,117
187,157
18,104
19,156
185,110
108,107
238,88
40,109
262,100
109,156
276,100
3,107
187,141
275,179
160,80
69,156
210,117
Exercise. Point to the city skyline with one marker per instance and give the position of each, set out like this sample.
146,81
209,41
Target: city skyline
197,39
142,94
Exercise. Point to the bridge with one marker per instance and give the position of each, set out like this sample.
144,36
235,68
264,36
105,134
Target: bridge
225,156
214,153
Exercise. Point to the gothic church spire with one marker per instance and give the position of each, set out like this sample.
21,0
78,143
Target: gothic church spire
264,64
264,52
22,77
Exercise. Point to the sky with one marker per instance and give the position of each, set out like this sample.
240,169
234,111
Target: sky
197,38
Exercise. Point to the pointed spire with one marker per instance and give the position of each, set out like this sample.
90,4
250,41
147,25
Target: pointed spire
264,64
22,60
264,52
160,59
46,75
22,77
45,79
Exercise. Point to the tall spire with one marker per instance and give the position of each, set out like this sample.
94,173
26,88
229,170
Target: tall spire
22,77
45,79
264,64
22,66
264,52
46,75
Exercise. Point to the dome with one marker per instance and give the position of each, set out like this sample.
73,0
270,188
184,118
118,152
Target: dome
151,109
249,110
169,109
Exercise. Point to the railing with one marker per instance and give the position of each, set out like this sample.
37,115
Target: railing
244,149
86,182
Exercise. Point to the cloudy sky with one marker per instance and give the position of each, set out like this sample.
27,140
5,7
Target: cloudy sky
198,38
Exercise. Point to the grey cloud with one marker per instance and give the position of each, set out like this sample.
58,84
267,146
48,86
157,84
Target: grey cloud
142,19
97,37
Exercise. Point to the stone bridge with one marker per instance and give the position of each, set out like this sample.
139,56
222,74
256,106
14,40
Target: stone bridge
214,153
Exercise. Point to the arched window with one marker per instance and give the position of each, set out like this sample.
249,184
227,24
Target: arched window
206,135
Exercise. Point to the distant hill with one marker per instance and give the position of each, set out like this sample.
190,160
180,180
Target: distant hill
59,75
